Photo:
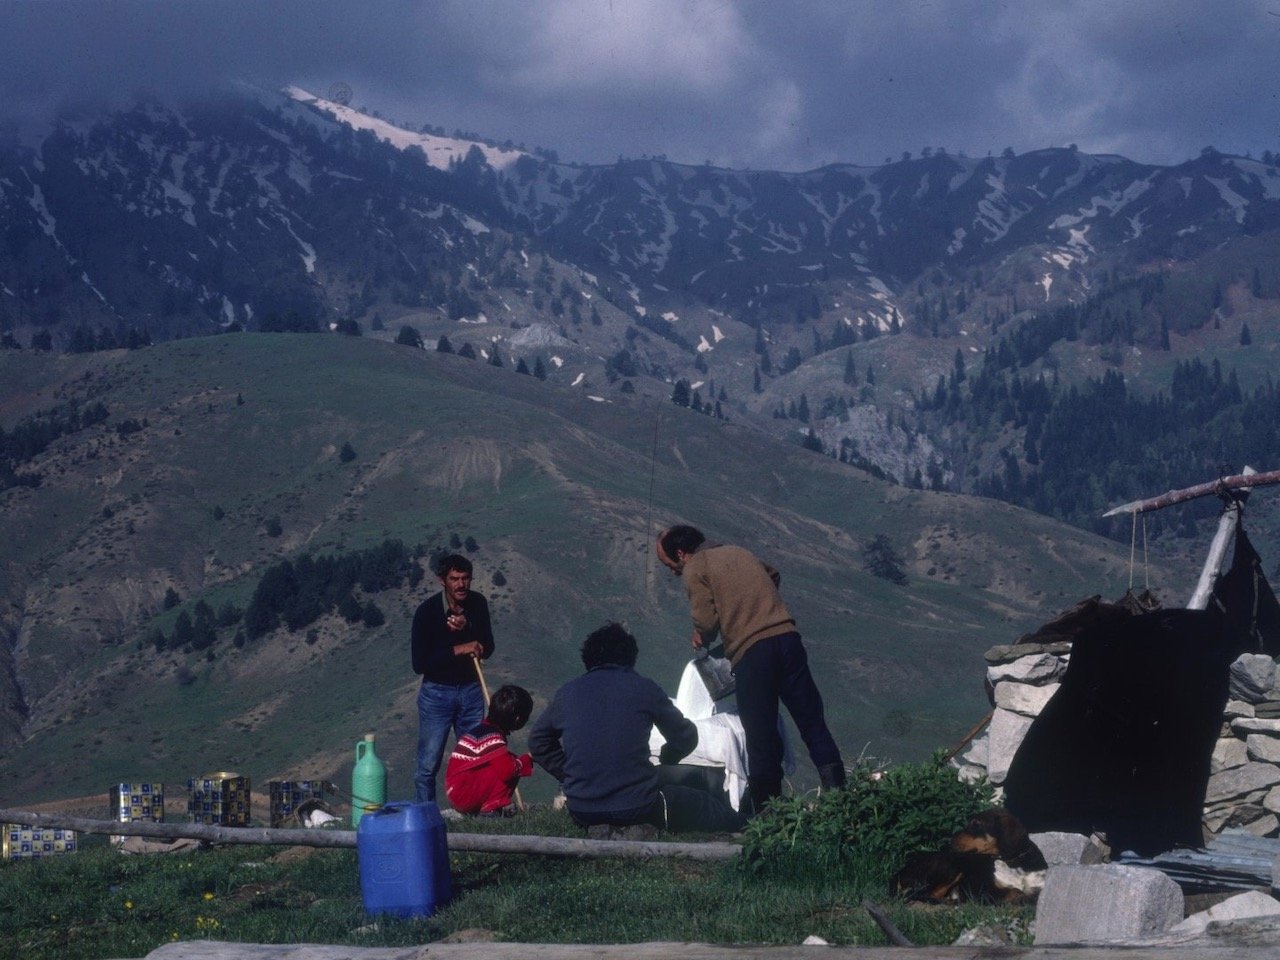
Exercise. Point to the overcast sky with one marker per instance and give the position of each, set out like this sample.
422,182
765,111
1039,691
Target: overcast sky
766,84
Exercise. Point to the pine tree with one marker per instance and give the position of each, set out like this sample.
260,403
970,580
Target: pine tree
539,369
1246,337
881,560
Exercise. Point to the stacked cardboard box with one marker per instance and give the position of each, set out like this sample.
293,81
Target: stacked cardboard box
22,842
219,799
134,802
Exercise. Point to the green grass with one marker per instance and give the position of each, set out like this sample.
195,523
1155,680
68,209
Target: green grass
99,903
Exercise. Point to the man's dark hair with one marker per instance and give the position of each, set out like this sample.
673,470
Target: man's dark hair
509,708
454,561
683,538
611,644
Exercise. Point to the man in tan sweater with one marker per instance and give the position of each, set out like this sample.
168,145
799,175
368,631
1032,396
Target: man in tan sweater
733,593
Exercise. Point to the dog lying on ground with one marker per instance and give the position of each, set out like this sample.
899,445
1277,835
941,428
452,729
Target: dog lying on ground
992,860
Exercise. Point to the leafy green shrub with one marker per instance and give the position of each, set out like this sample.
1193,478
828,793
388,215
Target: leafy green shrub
868,827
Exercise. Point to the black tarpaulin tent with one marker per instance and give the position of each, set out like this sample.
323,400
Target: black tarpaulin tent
1123,747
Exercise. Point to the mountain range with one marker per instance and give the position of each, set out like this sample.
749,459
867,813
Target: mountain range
937,326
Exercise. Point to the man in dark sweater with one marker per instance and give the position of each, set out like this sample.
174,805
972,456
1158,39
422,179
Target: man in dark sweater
451,631
594,739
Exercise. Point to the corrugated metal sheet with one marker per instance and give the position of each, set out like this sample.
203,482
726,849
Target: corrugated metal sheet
1234,860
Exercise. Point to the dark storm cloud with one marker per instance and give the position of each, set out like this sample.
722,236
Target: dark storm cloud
58,51
754,83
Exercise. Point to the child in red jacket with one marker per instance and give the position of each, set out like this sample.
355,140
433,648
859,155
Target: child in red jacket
482,773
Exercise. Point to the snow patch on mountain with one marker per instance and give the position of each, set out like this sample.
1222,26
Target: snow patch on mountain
439,151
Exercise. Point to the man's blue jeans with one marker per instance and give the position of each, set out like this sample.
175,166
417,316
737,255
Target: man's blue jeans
441,708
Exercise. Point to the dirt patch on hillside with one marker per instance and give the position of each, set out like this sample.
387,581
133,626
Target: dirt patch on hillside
467,463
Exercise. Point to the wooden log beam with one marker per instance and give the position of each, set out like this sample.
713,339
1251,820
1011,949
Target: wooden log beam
223,950
1240,481
458,842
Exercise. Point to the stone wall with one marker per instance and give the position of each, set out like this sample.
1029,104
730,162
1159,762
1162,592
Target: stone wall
1244,782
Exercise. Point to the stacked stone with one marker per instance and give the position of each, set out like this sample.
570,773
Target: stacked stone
1021,678
1244,772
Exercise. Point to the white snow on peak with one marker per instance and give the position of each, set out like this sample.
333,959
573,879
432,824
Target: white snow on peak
440,151
1112,203
1047,282
878,289
670,317
957,242
592,396
47,222
308,251
84,278
578,379
558,361
716,335
703,346
1079,243
1229,196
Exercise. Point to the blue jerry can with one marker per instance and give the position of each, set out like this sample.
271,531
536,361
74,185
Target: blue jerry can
403,851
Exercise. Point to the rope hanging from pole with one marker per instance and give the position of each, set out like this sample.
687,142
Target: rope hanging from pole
1146,570
1133,547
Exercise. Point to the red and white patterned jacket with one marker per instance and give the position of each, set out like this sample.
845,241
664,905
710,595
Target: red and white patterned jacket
482,773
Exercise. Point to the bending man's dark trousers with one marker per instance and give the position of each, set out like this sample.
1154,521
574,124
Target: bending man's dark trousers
776,670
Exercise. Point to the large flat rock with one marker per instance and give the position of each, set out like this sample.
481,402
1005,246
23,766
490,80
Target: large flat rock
1107,902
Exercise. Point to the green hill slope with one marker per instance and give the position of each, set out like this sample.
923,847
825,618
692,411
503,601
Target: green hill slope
241,437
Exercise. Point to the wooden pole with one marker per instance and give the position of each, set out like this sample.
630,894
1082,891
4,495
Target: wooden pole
458,842
1241,481
976,729
1213,561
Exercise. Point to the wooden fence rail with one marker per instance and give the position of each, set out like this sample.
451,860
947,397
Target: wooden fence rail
458,842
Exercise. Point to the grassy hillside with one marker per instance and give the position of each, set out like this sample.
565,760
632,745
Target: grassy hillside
561,495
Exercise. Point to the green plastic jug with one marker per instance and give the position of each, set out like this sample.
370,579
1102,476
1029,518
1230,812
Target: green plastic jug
368,781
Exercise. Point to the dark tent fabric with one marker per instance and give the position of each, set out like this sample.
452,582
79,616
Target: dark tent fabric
1123,747
1245,599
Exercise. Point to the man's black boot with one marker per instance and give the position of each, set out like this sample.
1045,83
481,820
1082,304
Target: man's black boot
831,775
761,792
